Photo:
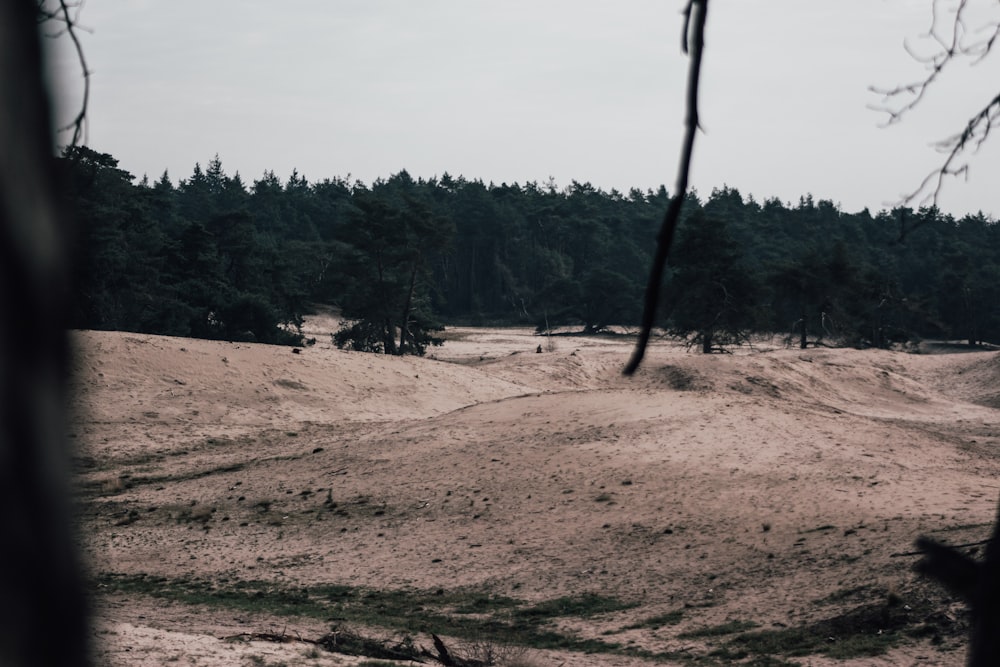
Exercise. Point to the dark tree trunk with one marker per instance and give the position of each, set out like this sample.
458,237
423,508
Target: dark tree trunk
404,327
803,340
707,337
43,618
388,330
388,336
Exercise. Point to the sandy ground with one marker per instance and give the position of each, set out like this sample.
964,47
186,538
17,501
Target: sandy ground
754,486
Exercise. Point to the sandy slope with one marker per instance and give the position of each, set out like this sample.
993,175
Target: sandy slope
744,486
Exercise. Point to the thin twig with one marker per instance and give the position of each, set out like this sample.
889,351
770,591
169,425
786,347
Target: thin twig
960,42
974,134
71,25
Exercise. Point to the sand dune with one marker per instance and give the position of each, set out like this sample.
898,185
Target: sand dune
756,486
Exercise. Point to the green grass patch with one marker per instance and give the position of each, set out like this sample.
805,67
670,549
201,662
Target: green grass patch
457,613
485,604
727,628
867,631
579,606
659,621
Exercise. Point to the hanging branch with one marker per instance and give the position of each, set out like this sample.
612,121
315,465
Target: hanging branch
693,44
971,138
959,42
61,14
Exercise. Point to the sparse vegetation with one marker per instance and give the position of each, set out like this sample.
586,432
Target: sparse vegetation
118,484
486,651
506,622
659,621
500,630
113,485
867,630
581,606
727,628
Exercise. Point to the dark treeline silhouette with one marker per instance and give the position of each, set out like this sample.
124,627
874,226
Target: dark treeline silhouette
214,257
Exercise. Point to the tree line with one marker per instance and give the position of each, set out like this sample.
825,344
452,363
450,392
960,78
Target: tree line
212,256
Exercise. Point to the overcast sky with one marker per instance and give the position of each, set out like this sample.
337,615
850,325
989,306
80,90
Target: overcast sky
521,90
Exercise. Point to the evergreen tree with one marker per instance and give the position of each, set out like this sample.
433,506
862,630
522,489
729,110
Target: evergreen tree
208,257
386,285
711,297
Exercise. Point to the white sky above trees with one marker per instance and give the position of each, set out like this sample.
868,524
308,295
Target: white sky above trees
586,90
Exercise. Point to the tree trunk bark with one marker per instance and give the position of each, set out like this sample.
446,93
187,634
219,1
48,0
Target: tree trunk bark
388,336
43,610
803,339
404,326
388,330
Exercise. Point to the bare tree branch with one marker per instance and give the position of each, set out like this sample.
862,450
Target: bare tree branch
958,41
693,44
970,139
61,14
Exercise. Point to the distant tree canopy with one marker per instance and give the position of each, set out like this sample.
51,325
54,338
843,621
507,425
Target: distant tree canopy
215,257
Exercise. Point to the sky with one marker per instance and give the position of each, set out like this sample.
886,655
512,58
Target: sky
528,90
